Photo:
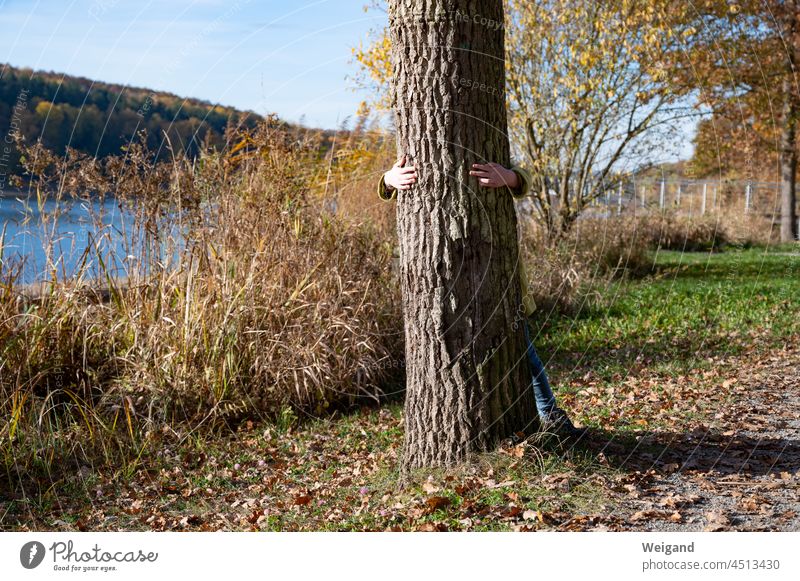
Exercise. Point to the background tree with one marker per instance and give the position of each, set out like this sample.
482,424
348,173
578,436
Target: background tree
752,90
590,93
467,384
374,58
788,21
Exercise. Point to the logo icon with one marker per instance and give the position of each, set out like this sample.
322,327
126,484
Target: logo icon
31,554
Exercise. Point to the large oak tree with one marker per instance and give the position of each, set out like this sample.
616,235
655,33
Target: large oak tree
468,385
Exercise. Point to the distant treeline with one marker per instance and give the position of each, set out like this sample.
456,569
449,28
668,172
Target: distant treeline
100,118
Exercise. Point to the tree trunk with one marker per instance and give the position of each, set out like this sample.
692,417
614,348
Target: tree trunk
788,170
789,128
468,384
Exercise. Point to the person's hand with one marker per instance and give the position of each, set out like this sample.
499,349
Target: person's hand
400,177
494,175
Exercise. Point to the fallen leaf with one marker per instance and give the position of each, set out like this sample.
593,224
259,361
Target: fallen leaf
430,487
749,504
513,511
437,502
502,484
716,520
302,499
517,451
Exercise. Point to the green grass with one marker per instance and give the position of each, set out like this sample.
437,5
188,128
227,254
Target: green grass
694,304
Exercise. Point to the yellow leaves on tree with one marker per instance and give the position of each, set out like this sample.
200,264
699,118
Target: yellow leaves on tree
584,81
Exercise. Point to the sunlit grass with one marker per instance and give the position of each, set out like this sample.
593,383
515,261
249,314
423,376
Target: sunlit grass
695,304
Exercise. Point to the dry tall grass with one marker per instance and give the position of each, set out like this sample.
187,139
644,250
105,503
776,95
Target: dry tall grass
247,299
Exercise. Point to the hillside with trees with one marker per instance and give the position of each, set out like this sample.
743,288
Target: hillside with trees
99,118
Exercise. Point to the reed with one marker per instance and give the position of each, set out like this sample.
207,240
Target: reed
241,298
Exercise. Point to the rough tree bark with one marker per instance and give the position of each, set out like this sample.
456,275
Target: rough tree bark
468,384
789,123
788,165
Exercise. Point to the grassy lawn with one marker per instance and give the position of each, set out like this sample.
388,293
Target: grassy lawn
655,354
697,309
695,301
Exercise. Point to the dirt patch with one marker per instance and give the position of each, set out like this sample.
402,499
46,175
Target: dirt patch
739,472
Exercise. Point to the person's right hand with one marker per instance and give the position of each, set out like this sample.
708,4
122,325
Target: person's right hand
400,177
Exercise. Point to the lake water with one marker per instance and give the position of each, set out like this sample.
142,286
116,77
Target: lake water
26,230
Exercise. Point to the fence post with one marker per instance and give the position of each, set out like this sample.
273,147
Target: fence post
644,194
679,195
747,194
661,195
619,199
705,193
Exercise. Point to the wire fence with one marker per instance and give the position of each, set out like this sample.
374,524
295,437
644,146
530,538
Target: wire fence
692,197
756,203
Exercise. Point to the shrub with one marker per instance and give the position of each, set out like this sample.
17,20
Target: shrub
670,231
563,274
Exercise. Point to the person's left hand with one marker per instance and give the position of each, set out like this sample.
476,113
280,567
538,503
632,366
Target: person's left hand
494,175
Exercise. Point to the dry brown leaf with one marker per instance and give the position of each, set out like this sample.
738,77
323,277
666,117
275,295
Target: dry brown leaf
503,484
437,502
517,451
716,520
750,504
512,511
302,499
432,527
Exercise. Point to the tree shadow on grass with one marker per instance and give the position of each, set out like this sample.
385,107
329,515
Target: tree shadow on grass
700,451
635,355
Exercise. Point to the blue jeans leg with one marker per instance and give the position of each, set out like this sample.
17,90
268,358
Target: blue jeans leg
545,400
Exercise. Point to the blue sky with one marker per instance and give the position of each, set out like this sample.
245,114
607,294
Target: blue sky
282,56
